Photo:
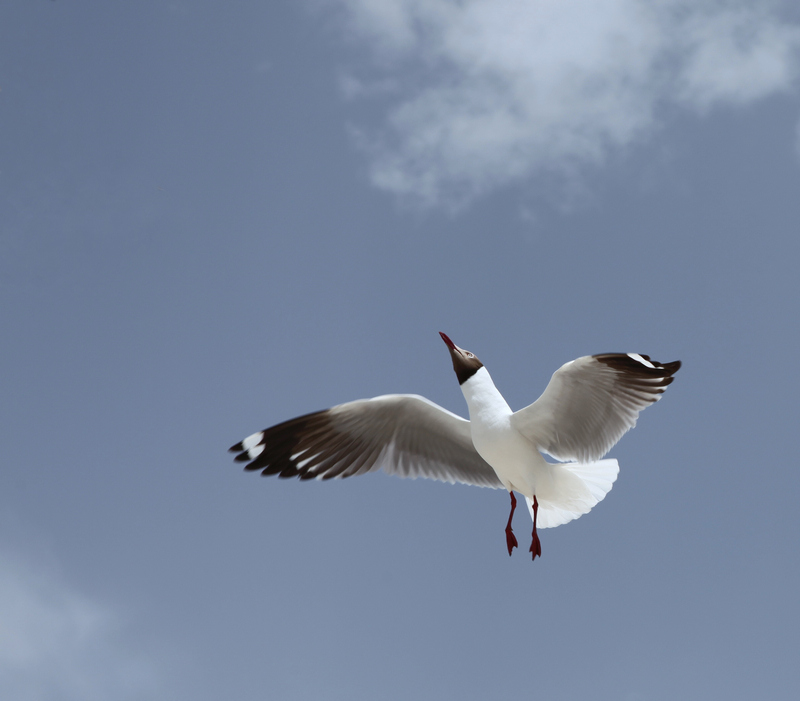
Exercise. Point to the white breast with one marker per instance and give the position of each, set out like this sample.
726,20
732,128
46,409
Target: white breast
513,457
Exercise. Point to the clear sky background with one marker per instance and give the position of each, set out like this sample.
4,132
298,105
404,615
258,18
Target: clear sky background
217,216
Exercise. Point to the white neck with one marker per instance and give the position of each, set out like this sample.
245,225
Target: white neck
485,402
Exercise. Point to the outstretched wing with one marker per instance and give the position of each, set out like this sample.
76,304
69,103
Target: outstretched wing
402,434
591,402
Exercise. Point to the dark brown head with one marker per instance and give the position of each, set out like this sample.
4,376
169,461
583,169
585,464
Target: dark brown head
464,363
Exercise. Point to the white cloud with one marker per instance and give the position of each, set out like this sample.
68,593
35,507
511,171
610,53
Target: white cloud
58,644
491,91
737,56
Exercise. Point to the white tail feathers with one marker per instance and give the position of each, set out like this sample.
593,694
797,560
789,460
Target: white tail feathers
569,490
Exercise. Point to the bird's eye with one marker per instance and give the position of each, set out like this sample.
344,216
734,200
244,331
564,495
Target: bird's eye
469,355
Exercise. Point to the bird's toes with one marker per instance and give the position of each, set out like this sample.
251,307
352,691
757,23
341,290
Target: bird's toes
511,540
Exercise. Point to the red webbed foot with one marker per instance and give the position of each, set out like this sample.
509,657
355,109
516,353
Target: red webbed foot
536,547
511,540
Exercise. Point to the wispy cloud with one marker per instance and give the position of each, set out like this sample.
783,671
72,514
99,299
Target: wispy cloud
56,643
486,92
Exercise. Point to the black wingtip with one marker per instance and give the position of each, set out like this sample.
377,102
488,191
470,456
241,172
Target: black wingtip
238,448
630,361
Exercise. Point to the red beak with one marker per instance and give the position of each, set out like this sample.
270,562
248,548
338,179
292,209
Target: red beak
446,339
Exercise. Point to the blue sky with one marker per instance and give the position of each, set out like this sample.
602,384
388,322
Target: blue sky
214,218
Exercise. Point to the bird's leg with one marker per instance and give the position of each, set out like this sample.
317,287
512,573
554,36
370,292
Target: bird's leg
511,539
536,546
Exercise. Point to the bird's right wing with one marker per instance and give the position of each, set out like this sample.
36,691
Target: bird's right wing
402,434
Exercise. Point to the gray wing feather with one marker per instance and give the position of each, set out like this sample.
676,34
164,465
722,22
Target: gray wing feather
402,434
591,402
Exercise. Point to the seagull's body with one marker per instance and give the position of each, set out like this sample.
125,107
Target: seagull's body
585,409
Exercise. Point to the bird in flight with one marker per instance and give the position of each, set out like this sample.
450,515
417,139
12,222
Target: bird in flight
585,409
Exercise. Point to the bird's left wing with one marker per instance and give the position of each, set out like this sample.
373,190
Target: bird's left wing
591,402
402,434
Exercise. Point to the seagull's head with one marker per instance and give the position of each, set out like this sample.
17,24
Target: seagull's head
465,364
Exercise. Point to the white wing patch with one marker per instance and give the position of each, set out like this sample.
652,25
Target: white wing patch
639,359
255,451
302,463
252,440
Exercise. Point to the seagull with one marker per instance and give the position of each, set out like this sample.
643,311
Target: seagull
585,409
